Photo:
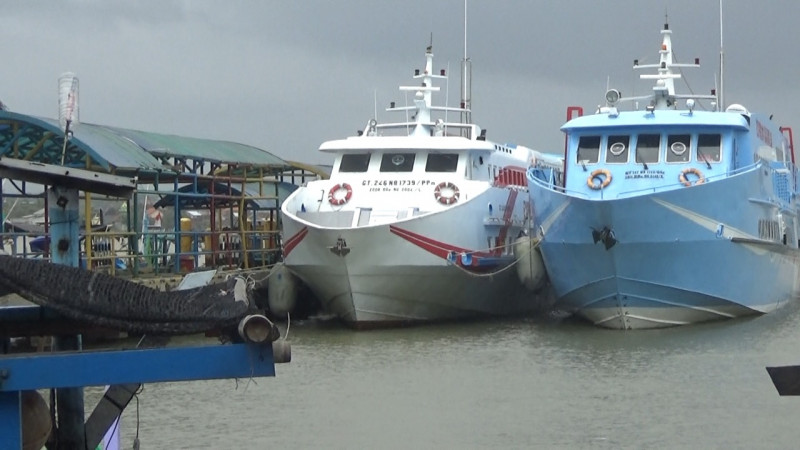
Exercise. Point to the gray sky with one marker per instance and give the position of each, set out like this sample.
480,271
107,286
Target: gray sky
287,75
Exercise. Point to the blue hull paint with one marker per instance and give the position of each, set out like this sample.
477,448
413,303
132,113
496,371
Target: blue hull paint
672,263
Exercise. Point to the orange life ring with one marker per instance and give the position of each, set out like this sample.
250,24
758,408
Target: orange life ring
603,181
683,179
337,200
446,198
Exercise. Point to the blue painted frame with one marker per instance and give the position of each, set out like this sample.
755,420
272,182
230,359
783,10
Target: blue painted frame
78,369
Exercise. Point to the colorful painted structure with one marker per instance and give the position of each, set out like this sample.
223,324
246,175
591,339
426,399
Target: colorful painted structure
188,203
66,171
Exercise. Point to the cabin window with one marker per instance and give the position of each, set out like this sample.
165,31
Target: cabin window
588,149
441,162
354,163
617,149
647,146
397,162
678,148
708,148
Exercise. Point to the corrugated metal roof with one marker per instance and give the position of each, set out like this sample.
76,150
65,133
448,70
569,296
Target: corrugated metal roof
130,150
117,150
208,150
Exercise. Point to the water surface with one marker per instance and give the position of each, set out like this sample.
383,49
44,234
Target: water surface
527,383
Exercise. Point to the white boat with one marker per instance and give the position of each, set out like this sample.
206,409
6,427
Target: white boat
417,221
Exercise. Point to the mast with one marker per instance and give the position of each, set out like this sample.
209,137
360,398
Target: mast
664,95
721,62
664,90
466,81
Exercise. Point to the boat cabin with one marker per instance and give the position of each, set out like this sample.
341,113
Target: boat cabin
622,153
674,142
483,162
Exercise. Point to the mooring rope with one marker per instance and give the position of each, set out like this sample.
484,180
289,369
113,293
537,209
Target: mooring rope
530,248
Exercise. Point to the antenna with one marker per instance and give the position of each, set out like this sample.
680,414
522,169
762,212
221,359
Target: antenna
465,29
447,91
466,80
721,62
375,101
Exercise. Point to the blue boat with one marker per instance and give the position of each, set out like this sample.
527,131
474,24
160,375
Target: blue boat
671,215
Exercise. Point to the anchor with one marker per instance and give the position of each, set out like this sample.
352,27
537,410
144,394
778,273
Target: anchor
340,248
606,235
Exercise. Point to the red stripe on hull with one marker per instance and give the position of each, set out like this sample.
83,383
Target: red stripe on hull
435,247
292,242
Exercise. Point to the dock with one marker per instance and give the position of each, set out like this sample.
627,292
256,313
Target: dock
126,206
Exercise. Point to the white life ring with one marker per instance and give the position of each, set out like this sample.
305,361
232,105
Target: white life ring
446,193
334,196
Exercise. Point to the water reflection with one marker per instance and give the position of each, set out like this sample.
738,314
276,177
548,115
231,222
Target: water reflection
527,383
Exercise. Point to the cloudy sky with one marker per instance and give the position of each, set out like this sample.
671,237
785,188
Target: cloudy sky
287,75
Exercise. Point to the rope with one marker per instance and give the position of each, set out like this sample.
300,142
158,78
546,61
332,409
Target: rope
136,439
259,280
516,260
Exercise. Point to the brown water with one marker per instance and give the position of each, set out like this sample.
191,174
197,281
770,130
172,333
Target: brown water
497,384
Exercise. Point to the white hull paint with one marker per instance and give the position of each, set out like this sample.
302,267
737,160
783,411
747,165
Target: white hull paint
388,276
417,222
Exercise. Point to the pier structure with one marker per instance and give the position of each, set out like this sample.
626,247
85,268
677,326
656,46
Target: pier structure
66,372
187,204
147,176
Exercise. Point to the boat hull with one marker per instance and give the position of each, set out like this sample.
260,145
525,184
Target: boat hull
432,267
666,258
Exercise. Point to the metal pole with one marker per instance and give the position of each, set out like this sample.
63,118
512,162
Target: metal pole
63,206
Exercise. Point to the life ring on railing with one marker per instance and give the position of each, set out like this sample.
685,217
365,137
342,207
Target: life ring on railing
604,181
334,196
683,179
446,193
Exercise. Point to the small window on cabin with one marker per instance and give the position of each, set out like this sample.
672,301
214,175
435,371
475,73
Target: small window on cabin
441,162
354,163
678,148
647,146
778,154
617,149
709,148
397,162
588,149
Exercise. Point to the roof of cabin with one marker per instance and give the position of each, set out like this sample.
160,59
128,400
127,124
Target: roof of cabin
658,118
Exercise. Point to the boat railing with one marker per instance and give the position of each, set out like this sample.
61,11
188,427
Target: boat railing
671,186
159,252
437,128
551,185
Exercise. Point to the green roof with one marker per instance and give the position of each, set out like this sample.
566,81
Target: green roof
223,152
118,150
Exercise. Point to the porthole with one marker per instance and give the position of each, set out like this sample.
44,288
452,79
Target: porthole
678,148
617,148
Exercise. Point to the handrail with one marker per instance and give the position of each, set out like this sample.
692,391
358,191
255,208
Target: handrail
111,251
666,187
553,187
